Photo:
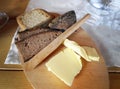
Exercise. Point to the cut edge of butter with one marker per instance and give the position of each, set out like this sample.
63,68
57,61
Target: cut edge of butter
92,53
77,48
66,69
65,65
88,53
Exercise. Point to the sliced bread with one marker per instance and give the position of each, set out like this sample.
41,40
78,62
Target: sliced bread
35,43
33,18
63,21
27,33
31,41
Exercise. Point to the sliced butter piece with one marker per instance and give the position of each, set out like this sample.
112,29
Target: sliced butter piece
77,48
65,65
92,53
88,53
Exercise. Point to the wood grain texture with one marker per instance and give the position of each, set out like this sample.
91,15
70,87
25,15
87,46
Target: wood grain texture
114,80
94,75
114,69
13,80
8,80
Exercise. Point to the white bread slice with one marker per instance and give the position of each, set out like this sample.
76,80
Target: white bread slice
32,19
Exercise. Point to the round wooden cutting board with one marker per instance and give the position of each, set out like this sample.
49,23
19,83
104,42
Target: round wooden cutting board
94,75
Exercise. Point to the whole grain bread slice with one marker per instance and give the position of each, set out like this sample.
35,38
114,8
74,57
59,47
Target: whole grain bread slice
35,43
33,18
27,33
63,21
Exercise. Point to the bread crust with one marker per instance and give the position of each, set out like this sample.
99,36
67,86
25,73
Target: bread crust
35,43
63,21
23,27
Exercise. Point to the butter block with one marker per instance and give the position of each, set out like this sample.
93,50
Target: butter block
92,53
77,48
65,65
88,53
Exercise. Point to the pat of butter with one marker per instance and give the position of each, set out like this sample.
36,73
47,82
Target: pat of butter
92,54
88,53
65,65
77,48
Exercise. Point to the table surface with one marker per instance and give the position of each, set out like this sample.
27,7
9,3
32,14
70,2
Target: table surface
8,74
12,76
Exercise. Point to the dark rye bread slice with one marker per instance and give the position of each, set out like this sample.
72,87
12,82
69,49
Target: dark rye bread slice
27,33
35,43
63,21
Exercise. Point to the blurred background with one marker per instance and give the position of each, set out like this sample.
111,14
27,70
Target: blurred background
13,7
